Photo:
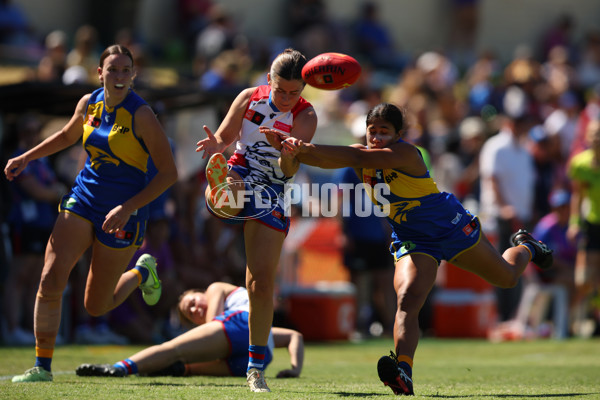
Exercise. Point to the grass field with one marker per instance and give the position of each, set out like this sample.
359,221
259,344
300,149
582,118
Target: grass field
444,369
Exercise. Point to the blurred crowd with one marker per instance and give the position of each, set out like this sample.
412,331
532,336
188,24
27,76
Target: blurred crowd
498,134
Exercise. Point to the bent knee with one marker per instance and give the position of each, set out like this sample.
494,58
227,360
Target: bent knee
507,282
95,309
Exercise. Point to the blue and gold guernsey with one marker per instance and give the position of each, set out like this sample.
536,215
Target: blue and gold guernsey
115,170
423,219
117,160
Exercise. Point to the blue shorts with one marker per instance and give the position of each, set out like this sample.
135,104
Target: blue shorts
264,203
235,325
131,235
461,237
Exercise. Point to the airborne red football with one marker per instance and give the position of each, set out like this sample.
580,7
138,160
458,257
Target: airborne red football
331,71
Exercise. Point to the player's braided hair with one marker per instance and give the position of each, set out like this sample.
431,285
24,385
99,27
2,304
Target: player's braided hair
288,65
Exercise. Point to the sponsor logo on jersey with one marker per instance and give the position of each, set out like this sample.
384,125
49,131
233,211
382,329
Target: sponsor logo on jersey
254,117
69,203
282,126
120,129
124,235
407,246
470,228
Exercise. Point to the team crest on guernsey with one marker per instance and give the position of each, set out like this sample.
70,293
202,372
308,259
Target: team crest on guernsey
93,121
370,180
254,117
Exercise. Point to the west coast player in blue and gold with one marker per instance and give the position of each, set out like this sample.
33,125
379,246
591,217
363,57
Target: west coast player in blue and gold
106,208
428,226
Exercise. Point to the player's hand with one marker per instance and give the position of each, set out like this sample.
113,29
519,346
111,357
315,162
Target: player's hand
274,137
293,146
14,167
210,145
288,373
116,219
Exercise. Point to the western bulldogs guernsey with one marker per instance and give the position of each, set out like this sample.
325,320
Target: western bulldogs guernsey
117,159
253,150
237,300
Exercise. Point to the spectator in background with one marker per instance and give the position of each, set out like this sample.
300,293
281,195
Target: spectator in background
373,42
546,153
35,194
588,68
562,123
507,184
15,29
557,281
457,170
543,285
590,112
219,35
312,30
53,64
560,34
85,51
464,17
227,73
193,16
584,222
552,230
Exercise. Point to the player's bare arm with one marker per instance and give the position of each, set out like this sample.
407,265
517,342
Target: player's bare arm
229,129
60,140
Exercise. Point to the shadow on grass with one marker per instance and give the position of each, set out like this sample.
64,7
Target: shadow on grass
132,382
520,396
359,395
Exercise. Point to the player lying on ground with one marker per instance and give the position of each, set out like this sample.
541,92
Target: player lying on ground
428,226
217,346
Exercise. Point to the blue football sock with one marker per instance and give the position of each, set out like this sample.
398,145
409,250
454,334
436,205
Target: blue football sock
531,249
129,366
44,362
256,357
143,271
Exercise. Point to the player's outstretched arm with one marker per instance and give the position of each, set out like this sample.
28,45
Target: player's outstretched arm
294,341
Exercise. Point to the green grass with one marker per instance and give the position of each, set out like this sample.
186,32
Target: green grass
444,369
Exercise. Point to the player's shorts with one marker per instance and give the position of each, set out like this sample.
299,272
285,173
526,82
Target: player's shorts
590,237
461,237
235,325
131,235
263,202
